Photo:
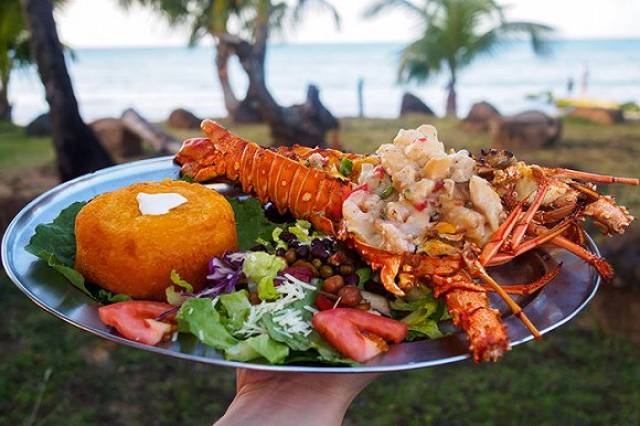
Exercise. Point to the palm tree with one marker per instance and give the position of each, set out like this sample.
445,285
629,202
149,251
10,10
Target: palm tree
78,151
454,33
252,19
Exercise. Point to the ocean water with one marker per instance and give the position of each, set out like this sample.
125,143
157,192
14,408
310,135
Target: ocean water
157,80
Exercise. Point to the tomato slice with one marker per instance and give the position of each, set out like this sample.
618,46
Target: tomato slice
387,328
135,320
343,328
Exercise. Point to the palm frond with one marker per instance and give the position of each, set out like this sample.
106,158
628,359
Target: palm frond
380,6
538,34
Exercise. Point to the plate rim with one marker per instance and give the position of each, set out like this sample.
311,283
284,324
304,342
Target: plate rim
10,232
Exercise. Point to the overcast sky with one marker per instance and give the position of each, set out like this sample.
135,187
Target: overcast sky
101,23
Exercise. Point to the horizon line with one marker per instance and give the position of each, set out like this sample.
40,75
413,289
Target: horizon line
333,43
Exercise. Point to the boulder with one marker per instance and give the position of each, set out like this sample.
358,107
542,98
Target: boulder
604,116
527,130
183,119
117,139
411,104
40,126
477,120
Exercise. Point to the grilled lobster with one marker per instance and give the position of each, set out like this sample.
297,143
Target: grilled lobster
517,208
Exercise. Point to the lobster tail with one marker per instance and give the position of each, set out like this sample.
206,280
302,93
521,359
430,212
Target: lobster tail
308,193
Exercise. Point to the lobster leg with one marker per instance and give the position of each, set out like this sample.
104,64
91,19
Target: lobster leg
526,289
602,266
594,177
479,270
499,237
521,227
530,244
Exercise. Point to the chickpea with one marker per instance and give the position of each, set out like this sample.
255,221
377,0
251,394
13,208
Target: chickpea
350,295
317,263
346,269
326,271
290,256
333,284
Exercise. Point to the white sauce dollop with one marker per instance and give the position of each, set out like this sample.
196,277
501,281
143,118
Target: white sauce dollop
159,204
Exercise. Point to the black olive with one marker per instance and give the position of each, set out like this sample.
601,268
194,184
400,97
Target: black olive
320,252
287,237
351,279
280,252
302,251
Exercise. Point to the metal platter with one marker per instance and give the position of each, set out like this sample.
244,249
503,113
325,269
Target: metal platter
551,307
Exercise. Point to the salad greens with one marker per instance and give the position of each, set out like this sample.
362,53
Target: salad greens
425,311
262,268
255,224
55,243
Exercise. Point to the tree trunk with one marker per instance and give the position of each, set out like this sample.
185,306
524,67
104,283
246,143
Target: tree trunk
452,103
245,111
78,150
5,106
305,124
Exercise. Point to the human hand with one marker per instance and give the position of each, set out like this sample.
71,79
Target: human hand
277,398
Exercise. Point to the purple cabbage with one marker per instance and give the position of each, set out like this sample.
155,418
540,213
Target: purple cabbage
225,272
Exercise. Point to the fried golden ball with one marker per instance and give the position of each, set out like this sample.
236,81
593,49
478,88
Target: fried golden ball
124,251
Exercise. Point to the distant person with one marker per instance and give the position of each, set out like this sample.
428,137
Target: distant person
360,97
570,84
584,83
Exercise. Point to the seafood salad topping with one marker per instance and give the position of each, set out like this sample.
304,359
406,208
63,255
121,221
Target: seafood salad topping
419,198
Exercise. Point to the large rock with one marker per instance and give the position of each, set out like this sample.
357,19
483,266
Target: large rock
411,104
527,130
604,116
40,126
117,139
479,116
183,119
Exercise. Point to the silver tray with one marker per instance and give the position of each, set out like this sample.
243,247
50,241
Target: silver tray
549,308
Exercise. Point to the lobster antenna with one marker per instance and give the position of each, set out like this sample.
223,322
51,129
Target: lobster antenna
515,308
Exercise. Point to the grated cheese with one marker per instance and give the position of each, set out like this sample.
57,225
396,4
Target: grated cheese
289,320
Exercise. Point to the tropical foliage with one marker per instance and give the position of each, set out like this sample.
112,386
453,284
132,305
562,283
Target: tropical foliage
14,48
453,34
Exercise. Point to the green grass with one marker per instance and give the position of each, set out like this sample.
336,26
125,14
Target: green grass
18,151
574,376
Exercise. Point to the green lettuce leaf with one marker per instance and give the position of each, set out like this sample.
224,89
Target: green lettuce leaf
261,346
106,297
296,341
262,268
424,313
301,230
200,318
251,222
236,308
175,298
58,238
55,243
177,280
